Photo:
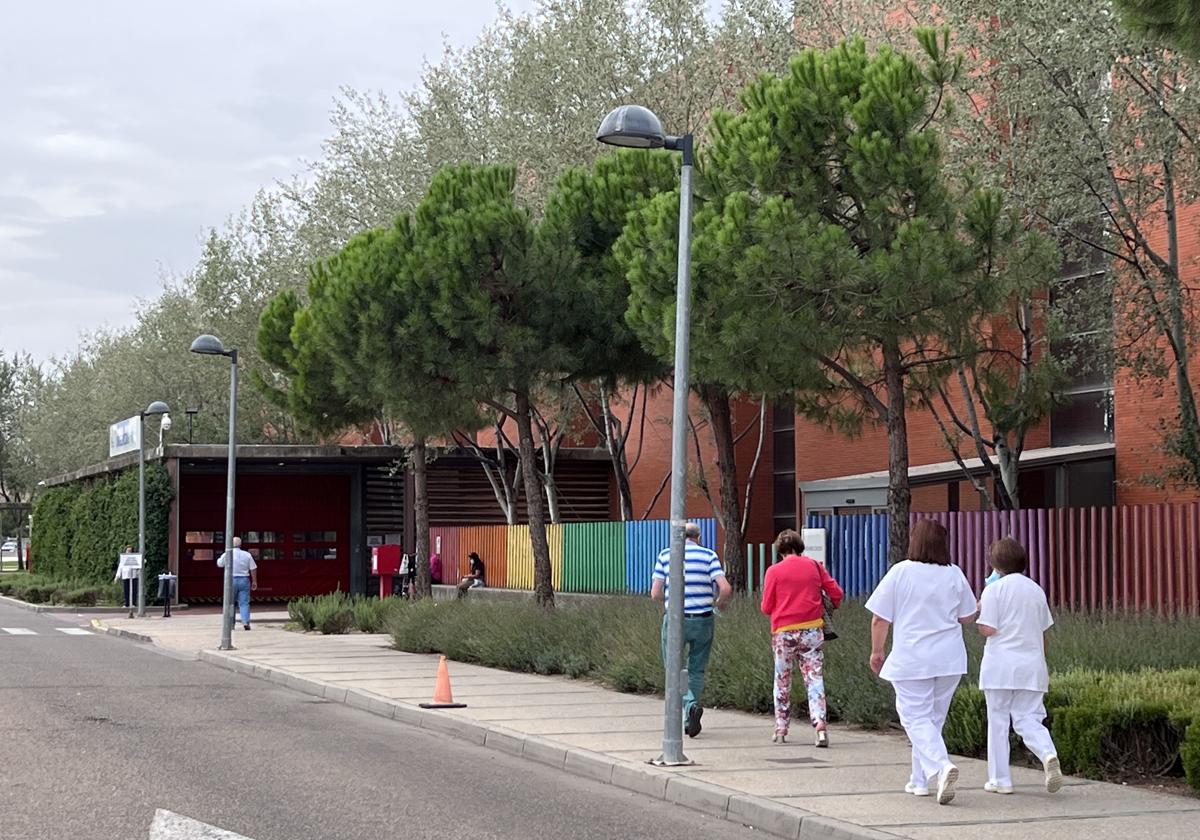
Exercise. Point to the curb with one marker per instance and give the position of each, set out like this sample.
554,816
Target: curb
714,800
121,634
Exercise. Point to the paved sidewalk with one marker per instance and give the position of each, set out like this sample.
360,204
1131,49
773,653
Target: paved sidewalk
852,790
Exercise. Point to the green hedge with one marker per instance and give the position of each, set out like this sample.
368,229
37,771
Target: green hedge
1107,722
80,528
39,589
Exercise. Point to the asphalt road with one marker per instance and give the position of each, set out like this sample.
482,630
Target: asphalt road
96,733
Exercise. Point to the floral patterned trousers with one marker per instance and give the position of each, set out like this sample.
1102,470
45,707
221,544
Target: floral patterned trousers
804,646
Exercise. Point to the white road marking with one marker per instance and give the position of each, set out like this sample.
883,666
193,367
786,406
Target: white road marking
18,631
171,826
75,631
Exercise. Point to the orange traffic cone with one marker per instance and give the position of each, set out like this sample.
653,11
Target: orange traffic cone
443,698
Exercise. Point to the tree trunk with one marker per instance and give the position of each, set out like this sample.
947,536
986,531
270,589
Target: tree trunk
543,584
1189,421
1009,465
716,400
424,583
899,495
616,454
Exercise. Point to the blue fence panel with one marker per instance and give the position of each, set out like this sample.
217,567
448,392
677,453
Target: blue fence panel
856,547
644,540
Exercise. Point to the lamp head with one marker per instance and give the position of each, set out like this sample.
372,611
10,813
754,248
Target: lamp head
209,345
156,407
166,423
632,126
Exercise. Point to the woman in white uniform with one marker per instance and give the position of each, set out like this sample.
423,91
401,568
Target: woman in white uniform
924,600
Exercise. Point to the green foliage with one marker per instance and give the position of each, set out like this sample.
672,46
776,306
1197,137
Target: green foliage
44,589
333,613
1189,754
300,611
1176,21
368,614
80,528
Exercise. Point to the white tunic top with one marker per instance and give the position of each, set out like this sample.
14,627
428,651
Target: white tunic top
924,603
1015,657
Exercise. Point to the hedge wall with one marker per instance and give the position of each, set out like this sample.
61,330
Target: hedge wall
80,528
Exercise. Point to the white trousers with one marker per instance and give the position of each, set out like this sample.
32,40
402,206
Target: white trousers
923,706
1026,711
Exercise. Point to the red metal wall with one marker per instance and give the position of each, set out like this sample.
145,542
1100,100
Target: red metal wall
297,526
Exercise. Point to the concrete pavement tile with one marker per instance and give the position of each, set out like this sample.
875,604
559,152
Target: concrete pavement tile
781,820
823,828
533,710
649,741
702,796
592,765
796,782
544,751
641,779
568,727
972,804
1141,827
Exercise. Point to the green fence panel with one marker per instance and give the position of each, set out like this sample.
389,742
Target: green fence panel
594,557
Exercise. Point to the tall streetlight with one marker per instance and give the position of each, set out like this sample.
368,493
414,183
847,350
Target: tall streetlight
210,345
633,126
156,408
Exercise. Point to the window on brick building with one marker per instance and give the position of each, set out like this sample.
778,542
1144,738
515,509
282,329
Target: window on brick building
1083,304
783,467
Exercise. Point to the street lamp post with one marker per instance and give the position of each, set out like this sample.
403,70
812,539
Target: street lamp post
156,408
210,345
633,126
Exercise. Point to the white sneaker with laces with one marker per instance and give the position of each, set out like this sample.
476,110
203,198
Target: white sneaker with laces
947,780
996,787
916,790
1054,776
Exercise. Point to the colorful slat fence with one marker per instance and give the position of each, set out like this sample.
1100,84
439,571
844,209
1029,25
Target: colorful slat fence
1134,557
588,557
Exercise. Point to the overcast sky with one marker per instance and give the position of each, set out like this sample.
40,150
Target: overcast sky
129,126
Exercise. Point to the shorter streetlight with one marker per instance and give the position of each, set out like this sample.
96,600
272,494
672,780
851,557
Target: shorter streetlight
635,127
191,414
155,409
210,345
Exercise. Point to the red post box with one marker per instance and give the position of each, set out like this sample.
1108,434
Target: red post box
385,562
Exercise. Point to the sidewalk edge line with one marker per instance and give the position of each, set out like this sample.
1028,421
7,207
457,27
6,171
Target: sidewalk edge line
728,804
120,633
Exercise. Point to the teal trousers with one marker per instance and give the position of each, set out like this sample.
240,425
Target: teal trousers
697,645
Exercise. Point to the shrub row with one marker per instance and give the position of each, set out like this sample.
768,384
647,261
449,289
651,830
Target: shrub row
80,528
338,612
41,589
1122,702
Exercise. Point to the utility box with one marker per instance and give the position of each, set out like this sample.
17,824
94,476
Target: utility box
385,560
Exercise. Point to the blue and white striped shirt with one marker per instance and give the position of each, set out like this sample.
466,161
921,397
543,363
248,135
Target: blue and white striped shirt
701,568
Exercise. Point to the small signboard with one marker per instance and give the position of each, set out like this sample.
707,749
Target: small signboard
129,566
124,436
814,544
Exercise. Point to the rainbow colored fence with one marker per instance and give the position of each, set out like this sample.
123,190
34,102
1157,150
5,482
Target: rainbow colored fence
596,557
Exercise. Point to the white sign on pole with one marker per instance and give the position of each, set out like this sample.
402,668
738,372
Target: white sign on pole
124,436
814,544
129,566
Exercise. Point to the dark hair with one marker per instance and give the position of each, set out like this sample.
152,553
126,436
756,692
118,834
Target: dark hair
929,543
473,556
789,542
1008,556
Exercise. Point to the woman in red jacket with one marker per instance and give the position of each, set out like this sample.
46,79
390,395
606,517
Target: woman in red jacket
792,597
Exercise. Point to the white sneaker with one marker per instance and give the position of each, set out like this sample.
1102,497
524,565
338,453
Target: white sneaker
996,787
947,780
915,790
1054,779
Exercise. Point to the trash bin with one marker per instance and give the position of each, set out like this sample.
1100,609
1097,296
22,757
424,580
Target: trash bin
166,592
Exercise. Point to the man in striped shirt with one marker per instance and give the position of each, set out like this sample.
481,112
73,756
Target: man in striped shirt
702,573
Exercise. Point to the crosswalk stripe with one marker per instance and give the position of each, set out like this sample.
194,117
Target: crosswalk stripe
18,631
75,631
